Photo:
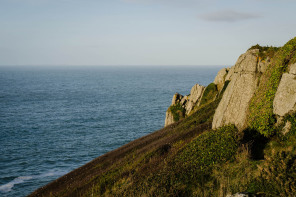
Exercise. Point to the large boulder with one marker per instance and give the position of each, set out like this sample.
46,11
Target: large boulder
234,105
285,97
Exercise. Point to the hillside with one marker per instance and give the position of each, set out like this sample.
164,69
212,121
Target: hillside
236,135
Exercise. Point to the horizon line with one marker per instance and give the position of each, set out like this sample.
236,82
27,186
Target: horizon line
123,65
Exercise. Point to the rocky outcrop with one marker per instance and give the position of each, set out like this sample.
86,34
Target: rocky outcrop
220,78
285,97
242,82
177,98
194,98
169,118
187,103
233,108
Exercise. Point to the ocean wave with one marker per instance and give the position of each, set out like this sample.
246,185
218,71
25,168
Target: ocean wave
21,179
8,186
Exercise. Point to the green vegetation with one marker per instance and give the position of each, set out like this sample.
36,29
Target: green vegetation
188,171
276,174
178,111
205,151
209,94
278,171
277,177
194,164
261,108
290,137
265,51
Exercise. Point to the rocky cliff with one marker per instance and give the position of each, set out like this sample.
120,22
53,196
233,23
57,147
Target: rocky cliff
233,108
182,105
235,137
285,97
242,80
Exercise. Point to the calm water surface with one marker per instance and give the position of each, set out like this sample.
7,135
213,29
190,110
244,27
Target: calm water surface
55,119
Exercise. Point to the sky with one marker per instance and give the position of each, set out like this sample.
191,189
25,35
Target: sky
140,32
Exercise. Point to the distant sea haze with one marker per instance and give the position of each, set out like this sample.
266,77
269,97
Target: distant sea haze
55,119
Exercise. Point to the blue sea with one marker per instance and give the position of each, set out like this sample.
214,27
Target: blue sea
55,119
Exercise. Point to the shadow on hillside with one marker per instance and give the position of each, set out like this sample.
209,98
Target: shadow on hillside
255,142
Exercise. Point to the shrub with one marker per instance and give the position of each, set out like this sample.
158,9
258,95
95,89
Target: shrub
194,163
278,175
265,51
178,111
288,139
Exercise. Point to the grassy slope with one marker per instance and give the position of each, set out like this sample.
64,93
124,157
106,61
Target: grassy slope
189,159
129,168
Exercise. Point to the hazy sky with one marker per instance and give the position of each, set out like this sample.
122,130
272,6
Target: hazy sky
140,32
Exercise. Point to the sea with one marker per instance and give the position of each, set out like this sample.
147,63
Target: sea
54,119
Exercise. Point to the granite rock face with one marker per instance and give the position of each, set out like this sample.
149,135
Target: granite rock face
220,78
194,97
169,118
285,97
229,74
247,62
233,108
293,69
